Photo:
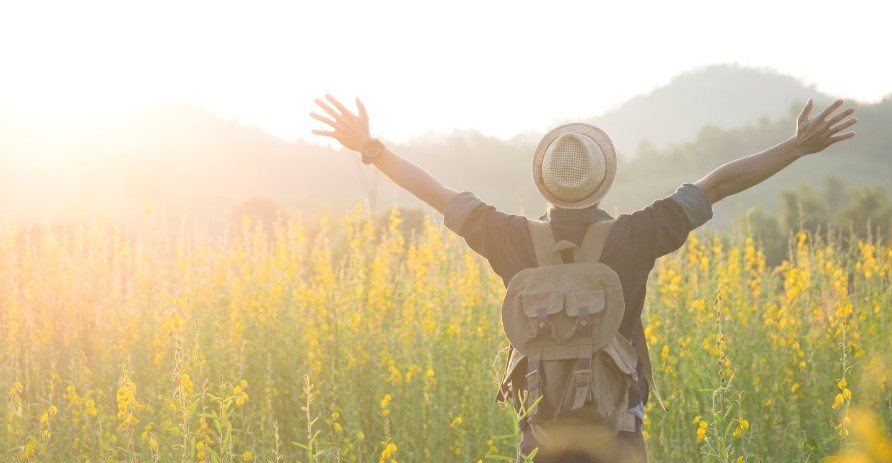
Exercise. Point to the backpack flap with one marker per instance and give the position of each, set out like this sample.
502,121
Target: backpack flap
592,301
562,290
538,305
584,308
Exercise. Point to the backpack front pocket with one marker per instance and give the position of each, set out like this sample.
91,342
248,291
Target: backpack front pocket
542,309
583,309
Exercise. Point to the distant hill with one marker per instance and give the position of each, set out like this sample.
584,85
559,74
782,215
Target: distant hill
863,161
184,161
725,96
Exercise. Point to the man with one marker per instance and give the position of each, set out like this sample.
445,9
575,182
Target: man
573,168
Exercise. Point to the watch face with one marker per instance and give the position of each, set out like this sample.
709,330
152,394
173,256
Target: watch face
373,148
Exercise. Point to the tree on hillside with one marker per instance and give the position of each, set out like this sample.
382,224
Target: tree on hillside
801,209
869,212
766,230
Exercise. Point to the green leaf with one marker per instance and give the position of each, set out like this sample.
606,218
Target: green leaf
498,457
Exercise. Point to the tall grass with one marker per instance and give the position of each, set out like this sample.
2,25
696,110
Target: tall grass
285,344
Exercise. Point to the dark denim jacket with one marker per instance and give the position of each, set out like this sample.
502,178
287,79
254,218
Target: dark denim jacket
636,240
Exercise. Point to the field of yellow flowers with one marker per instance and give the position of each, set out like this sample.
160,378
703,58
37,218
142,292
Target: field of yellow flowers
348,341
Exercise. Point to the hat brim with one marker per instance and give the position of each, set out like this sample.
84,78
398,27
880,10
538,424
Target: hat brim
596,134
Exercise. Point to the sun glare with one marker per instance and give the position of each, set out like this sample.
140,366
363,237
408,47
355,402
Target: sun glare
264,65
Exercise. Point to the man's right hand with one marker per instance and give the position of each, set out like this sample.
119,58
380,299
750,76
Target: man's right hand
350,130
815,134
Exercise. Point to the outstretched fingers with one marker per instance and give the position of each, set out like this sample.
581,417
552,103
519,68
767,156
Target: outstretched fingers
347,118
841,137
829,109
843,125
338,105
325,133
806,110
324,120
840,116
363,115
841,122
331,112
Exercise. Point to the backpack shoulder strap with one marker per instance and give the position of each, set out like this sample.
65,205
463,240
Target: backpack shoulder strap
593,242
542,236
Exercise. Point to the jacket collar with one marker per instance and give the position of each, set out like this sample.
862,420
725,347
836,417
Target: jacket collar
588,215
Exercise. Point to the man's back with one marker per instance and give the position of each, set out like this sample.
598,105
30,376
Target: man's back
635,242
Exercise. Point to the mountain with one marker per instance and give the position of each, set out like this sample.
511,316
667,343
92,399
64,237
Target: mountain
725,96
186,162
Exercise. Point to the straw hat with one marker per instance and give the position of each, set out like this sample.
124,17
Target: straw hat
574,165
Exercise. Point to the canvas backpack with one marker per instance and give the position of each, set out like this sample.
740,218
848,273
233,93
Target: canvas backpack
563,319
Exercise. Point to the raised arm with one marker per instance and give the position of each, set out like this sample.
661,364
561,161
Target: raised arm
812,136
352,131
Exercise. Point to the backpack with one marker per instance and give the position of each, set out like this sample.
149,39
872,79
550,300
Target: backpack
563,319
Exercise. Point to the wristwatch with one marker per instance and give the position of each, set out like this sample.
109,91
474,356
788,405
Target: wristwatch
372,149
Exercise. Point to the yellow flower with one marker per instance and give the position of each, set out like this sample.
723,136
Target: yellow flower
128,404
90,407
702,426
742,426
456,422
15,390
837,401
389,450
188,386
247,456
29,449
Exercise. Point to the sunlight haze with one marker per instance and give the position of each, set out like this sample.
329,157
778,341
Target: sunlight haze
418,66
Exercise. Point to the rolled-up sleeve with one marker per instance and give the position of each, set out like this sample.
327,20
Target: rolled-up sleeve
663,226
491,233
458,209
694,204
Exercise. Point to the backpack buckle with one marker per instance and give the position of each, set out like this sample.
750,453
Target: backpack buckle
541,321
583,325
534,382
584,321
544,328
533,392
583,380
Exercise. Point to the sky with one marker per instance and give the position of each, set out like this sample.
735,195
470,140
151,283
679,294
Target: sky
497,67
